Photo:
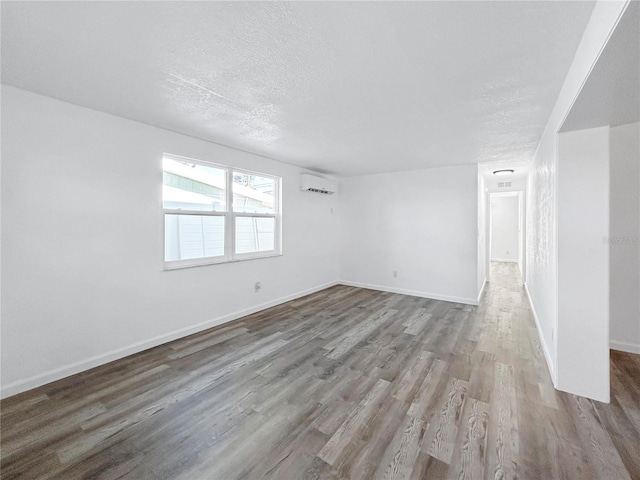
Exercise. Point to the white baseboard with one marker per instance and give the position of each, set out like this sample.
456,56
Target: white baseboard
484,284
625,346
545,349
81,366
413,293
508,260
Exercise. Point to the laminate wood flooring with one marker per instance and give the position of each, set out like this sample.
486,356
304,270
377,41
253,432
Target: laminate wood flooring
344,383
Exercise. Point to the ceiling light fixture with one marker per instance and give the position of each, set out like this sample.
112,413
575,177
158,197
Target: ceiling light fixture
503,172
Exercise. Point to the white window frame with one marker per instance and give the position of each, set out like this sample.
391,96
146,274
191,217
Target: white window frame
230,219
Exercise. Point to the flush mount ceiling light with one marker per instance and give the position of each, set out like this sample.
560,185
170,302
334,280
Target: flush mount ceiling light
503,172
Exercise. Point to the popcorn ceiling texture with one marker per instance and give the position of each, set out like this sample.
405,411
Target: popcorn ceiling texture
343,88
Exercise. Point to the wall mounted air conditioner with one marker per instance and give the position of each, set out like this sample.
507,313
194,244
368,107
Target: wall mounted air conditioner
312,183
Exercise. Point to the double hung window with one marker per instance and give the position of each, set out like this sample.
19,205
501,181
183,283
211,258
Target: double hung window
215,213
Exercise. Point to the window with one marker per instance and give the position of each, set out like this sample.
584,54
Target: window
215,214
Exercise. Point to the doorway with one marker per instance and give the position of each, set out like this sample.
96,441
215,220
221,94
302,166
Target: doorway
507,242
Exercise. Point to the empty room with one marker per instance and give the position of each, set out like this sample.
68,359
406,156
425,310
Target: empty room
320,240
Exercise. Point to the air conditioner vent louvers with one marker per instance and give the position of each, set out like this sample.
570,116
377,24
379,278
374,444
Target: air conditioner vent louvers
313,183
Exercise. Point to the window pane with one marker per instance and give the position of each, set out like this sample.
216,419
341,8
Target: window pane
255,234
253,194
193,236
189,186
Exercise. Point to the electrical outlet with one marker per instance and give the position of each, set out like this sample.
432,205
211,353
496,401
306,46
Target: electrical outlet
257,287
395,274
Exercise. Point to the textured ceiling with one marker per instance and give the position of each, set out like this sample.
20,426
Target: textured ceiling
520,170
343,88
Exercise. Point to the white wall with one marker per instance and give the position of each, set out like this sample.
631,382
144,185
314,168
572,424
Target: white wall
518,183
624,245
504,228
541,202
583,263
421,224
522,246
483,214
82,242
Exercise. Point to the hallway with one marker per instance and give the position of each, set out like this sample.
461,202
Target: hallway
561,435
344,383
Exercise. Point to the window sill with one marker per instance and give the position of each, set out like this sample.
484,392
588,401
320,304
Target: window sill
182,264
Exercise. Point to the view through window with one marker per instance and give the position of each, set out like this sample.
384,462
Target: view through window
215,213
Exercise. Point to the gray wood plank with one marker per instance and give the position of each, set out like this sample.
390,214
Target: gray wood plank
344,383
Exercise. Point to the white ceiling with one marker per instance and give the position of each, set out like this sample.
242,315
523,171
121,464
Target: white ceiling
611,94
520,171
342,88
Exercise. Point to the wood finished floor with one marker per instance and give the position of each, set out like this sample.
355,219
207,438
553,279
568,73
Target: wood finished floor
345,383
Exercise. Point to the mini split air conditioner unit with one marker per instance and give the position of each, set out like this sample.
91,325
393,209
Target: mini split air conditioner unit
311,183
